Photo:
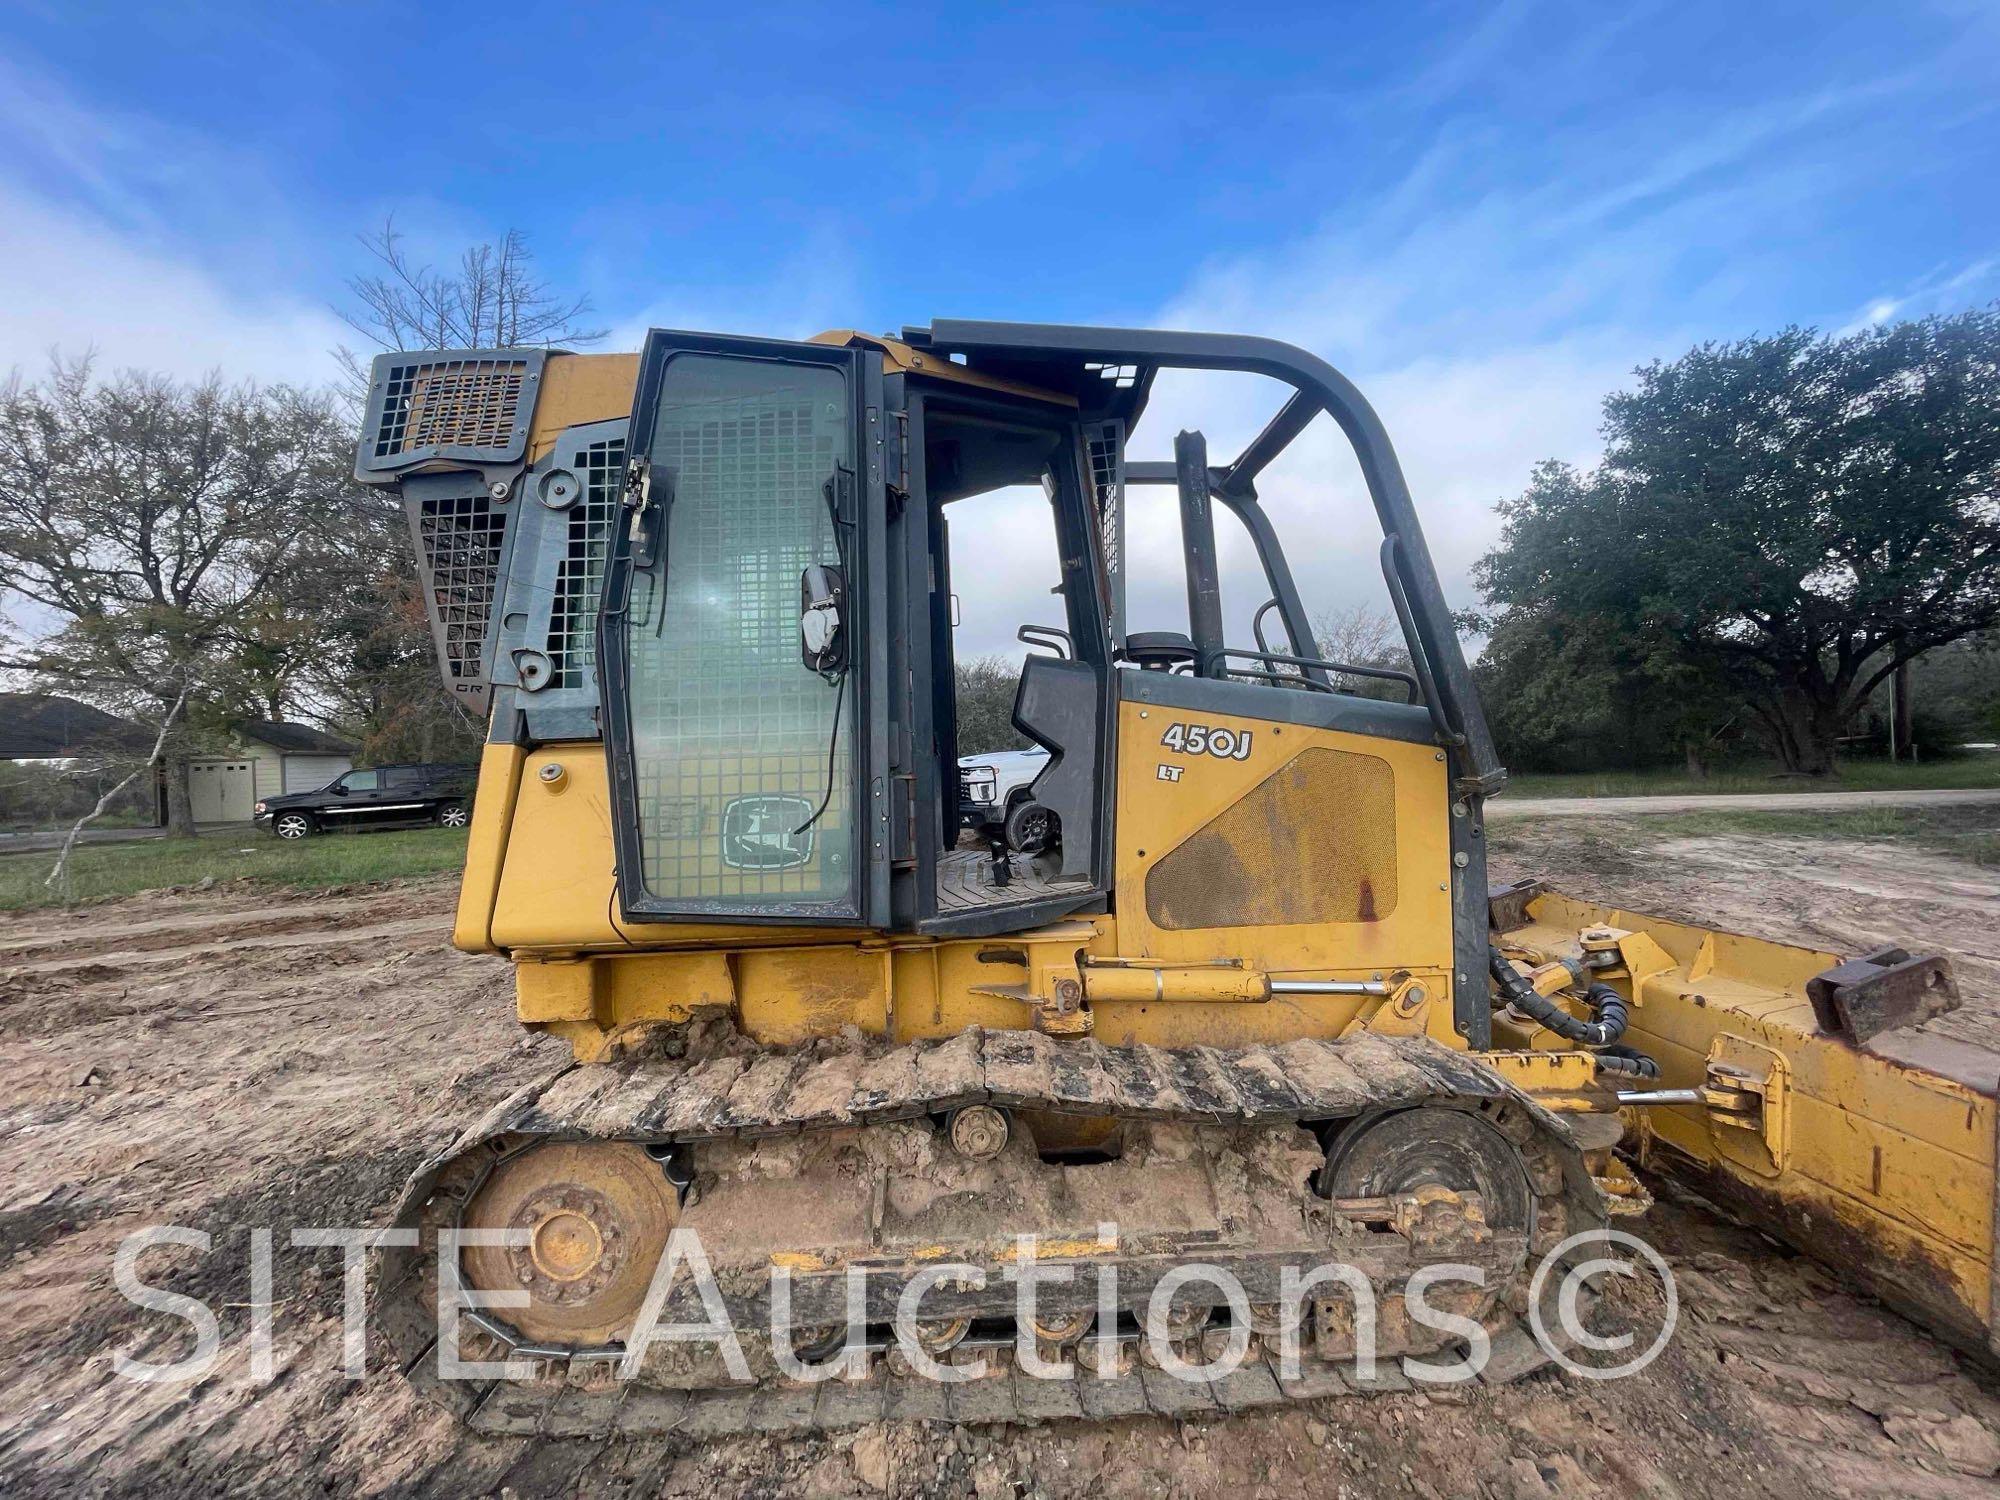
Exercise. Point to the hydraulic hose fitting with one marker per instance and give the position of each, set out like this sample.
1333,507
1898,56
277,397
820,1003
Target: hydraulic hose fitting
1605,1003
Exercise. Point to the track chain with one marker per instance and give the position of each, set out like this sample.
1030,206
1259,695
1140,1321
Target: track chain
756,1093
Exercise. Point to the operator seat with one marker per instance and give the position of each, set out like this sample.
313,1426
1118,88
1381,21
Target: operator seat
1058,706
1158,650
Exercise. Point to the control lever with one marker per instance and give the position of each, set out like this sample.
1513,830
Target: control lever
1000,867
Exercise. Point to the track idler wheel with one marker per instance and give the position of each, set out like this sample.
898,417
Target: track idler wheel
594,1217
1421,1163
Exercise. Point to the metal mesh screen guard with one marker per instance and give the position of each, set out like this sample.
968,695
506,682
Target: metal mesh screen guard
734,738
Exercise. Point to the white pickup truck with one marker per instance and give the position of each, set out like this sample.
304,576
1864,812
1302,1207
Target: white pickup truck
994,798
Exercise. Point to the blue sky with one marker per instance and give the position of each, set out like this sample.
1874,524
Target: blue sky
1486,214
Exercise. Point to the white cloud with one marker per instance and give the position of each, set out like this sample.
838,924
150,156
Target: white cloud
1938,291
101,216
79,285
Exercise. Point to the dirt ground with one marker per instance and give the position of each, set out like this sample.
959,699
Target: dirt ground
226,1060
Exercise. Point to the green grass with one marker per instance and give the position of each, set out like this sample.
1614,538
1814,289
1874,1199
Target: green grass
1968,833
100,870
1975,770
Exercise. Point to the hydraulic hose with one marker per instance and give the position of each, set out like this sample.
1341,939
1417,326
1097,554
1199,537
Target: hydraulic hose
1605,1003
1627,1062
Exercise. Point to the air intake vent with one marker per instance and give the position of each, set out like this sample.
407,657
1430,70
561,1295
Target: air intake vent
473,407
1106,444
580,578
459,538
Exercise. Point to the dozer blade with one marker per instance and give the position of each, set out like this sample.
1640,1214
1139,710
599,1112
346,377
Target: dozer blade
1835,1112
927,1163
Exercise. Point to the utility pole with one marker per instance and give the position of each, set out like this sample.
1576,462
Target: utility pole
1901,740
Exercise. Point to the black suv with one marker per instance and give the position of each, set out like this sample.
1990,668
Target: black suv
379,797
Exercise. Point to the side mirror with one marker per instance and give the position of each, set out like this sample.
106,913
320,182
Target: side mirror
338,790
822,607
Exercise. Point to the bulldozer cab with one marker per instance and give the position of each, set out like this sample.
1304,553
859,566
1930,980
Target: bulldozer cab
777,641
777,645
725,566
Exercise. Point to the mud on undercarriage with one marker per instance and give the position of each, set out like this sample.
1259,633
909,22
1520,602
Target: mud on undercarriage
897,1184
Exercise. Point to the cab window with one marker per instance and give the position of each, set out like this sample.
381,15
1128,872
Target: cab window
359,781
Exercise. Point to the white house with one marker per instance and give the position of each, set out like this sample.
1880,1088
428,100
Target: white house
262,760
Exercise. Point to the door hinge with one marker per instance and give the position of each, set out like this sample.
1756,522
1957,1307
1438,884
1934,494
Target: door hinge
896,460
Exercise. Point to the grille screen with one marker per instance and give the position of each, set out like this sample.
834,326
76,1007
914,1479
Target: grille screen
460,403
1313,842
1106,442
461,538
580,575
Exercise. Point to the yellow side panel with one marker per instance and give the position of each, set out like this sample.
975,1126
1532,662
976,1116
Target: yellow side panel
1369,869
665,986
557,888
938,989
559,989
486,846
579,388
1313,842
637,987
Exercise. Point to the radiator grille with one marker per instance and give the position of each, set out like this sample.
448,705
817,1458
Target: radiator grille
458,403
580,575
460,536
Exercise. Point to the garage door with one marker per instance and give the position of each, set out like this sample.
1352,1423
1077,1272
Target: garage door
222,791
308,773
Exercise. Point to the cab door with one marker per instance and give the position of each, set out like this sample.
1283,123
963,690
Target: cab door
741,637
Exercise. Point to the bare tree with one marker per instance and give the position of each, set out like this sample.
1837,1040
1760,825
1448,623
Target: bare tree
1358,636
1361,637
491,300
370,665
59,872
156,521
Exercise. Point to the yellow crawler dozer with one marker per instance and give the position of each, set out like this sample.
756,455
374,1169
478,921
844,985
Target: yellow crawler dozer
1235,1067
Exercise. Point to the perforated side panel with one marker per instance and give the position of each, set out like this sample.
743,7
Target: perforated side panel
470,406
1313,842
464,403
572,642
1105,442
459,537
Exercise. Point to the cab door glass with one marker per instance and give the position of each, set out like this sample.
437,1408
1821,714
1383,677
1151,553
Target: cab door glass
740,734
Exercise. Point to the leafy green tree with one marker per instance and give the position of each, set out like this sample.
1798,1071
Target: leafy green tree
1567,693
1796,515
153,524
986,686
1955,696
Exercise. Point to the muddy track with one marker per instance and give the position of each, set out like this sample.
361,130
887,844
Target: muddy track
221,1085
